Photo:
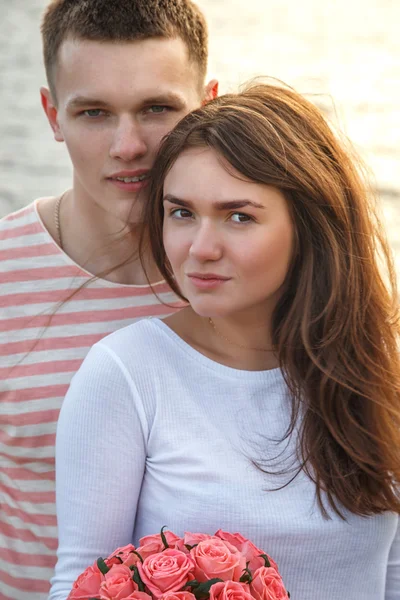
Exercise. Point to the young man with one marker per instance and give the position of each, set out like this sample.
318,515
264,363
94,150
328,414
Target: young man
120,76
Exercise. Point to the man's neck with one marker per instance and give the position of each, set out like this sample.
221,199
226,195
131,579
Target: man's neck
105,247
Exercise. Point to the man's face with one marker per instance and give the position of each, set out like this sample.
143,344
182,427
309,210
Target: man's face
115,102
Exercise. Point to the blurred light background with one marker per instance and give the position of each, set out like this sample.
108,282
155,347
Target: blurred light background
346,51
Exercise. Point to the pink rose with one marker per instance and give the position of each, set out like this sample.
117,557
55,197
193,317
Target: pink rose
138,596
167,571
87,584
178,596
267,584
122,553
131,559
215,558
247,548
153,544
117,584
230,590
191,539
194,538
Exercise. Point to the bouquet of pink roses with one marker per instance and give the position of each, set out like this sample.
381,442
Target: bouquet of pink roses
224,566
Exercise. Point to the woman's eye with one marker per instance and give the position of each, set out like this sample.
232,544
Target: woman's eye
93,112
181,213
241,218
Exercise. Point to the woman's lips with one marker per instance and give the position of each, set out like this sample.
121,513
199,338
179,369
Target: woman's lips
207,282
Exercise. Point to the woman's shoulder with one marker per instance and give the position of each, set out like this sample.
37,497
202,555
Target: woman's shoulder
131,356
144,338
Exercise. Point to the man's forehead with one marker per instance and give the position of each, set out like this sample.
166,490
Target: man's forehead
149,49
149,69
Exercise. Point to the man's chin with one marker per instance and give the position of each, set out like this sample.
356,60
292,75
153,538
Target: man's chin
130,211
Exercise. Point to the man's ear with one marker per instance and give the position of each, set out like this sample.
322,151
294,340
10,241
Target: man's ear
51,112
211,91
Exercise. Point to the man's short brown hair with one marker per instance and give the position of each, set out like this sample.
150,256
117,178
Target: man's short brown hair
122,21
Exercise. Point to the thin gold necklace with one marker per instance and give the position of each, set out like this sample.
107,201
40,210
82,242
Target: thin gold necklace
222,336
57,219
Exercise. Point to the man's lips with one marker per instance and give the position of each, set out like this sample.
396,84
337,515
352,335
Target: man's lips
130,176
130,181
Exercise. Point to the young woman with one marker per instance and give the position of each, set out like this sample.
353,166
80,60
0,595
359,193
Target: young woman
271,404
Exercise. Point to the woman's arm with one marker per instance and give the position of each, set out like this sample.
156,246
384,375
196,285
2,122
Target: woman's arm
393,570
100,461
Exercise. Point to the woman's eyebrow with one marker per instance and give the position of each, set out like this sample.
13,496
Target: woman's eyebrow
234,204
175,200
219,205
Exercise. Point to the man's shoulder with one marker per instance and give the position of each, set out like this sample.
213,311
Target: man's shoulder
23,228
19,217
25,247
20,225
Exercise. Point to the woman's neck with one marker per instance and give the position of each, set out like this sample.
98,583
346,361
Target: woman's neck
251,353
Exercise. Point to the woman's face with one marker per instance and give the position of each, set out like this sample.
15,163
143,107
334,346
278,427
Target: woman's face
229,241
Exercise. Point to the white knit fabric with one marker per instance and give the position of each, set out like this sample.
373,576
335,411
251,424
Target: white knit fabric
153,433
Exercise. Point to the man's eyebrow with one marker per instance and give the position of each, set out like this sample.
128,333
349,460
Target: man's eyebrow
78,101
220,205
167,98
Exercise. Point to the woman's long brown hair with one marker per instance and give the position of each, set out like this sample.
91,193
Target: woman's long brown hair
335,328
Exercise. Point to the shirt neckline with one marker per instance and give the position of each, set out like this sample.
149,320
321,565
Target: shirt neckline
270,375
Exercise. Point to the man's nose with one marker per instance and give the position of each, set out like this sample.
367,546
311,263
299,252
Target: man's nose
128,141
207,243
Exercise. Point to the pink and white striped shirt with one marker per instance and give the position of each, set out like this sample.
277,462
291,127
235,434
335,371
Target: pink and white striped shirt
44,336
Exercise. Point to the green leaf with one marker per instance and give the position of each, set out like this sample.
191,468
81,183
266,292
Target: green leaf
192,583
137,579
164,539
266,560
247,577
189,547
102,566
202,590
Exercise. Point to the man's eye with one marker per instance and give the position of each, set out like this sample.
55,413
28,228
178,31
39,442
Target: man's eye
93,112
241,218
156,108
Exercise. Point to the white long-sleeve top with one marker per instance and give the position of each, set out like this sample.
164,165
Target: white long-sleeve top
153,433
